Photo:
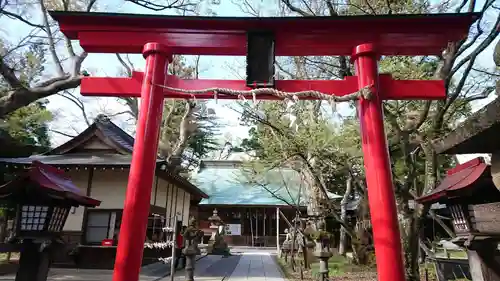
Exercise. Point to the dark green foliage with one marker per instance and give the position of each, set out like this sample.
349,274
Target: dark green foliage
28,125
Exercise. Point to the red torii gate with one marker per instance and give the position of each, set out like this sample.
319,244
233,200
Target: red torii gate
365,38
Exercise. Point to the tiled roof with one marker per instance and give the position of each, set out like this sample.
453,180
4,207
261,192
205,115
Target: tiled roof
74,159
123,141
116,134
103,124
227,184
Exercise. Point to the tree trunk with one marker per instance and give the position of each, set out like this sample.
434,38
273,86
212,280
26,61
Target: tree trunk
410,220
3,227
361,243
496,54
343,217
411,246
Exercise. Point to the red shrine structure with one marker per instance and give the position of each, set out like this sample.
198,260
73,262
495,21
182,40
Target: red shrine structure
364,38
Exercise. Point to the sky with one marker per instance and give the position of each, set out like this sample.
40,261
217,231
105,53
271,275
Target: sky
68,118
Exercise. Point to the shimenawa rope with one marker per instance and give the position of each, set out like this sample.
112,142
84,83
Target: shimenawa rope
364,92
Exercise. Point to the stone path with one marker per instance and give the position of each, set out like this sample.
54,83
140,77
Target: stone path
246,266
152,272
255,266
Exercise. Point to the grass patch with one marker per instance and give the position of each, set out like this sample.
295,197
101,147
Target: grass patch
431,273
453,254
338,266
283,266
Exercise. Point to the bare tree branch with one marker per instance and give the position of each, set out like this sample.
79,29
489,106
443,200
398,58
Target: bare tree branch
175,4
50,36
295,9
76,101
62,133
485,72
20,18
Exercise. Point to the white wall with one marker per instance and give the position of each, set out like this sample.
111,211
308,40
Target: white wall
177,203
109,186
80,179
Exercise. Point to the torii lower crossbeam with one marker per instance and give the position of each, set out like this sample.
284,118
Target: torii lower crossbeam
378,171
130,87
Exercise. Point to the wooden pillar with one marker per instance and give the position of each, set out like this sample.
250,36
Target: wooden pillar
264,235
484,261
33,263
256,223
250,216
278,230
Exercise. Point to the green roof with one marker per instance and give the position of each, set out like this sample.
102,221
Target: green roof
229,185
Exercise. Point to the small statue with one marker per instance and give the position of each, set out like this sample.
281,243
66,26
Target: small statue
192,233
192,237
288,236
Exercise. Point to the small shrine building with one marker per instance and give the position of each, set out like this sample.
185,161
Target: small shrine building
98,162
471,190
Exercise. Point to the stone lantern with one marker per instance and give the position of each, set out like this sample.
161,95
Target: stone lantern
216,243
322,250
192,237
287,245
42,198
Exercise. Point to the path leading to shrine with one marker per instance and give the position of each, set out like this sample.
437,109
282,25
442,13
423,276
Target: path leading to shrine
246,264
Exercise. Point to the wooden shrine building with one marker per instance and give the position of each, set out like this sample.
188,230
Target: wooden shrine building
248,209
98,162
249,205
471,190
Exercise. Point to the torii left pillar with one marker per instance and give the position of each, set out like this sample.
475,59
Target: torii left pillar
137,200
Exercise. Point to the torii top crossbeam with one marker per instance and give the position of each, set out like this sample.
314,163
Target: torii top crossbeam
323,36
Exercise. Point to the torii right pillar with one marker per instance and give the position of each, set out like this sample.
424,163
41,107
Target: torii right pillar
385,225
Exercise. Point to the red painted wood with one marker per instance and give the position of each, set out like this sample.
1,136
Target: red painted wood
394,35
142,168
390,89
383,211
286,44
471,163
121,21
47,176
458,179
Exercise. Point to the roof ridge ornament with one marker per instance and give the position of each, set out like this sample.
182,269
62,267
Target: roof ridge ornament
102,118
